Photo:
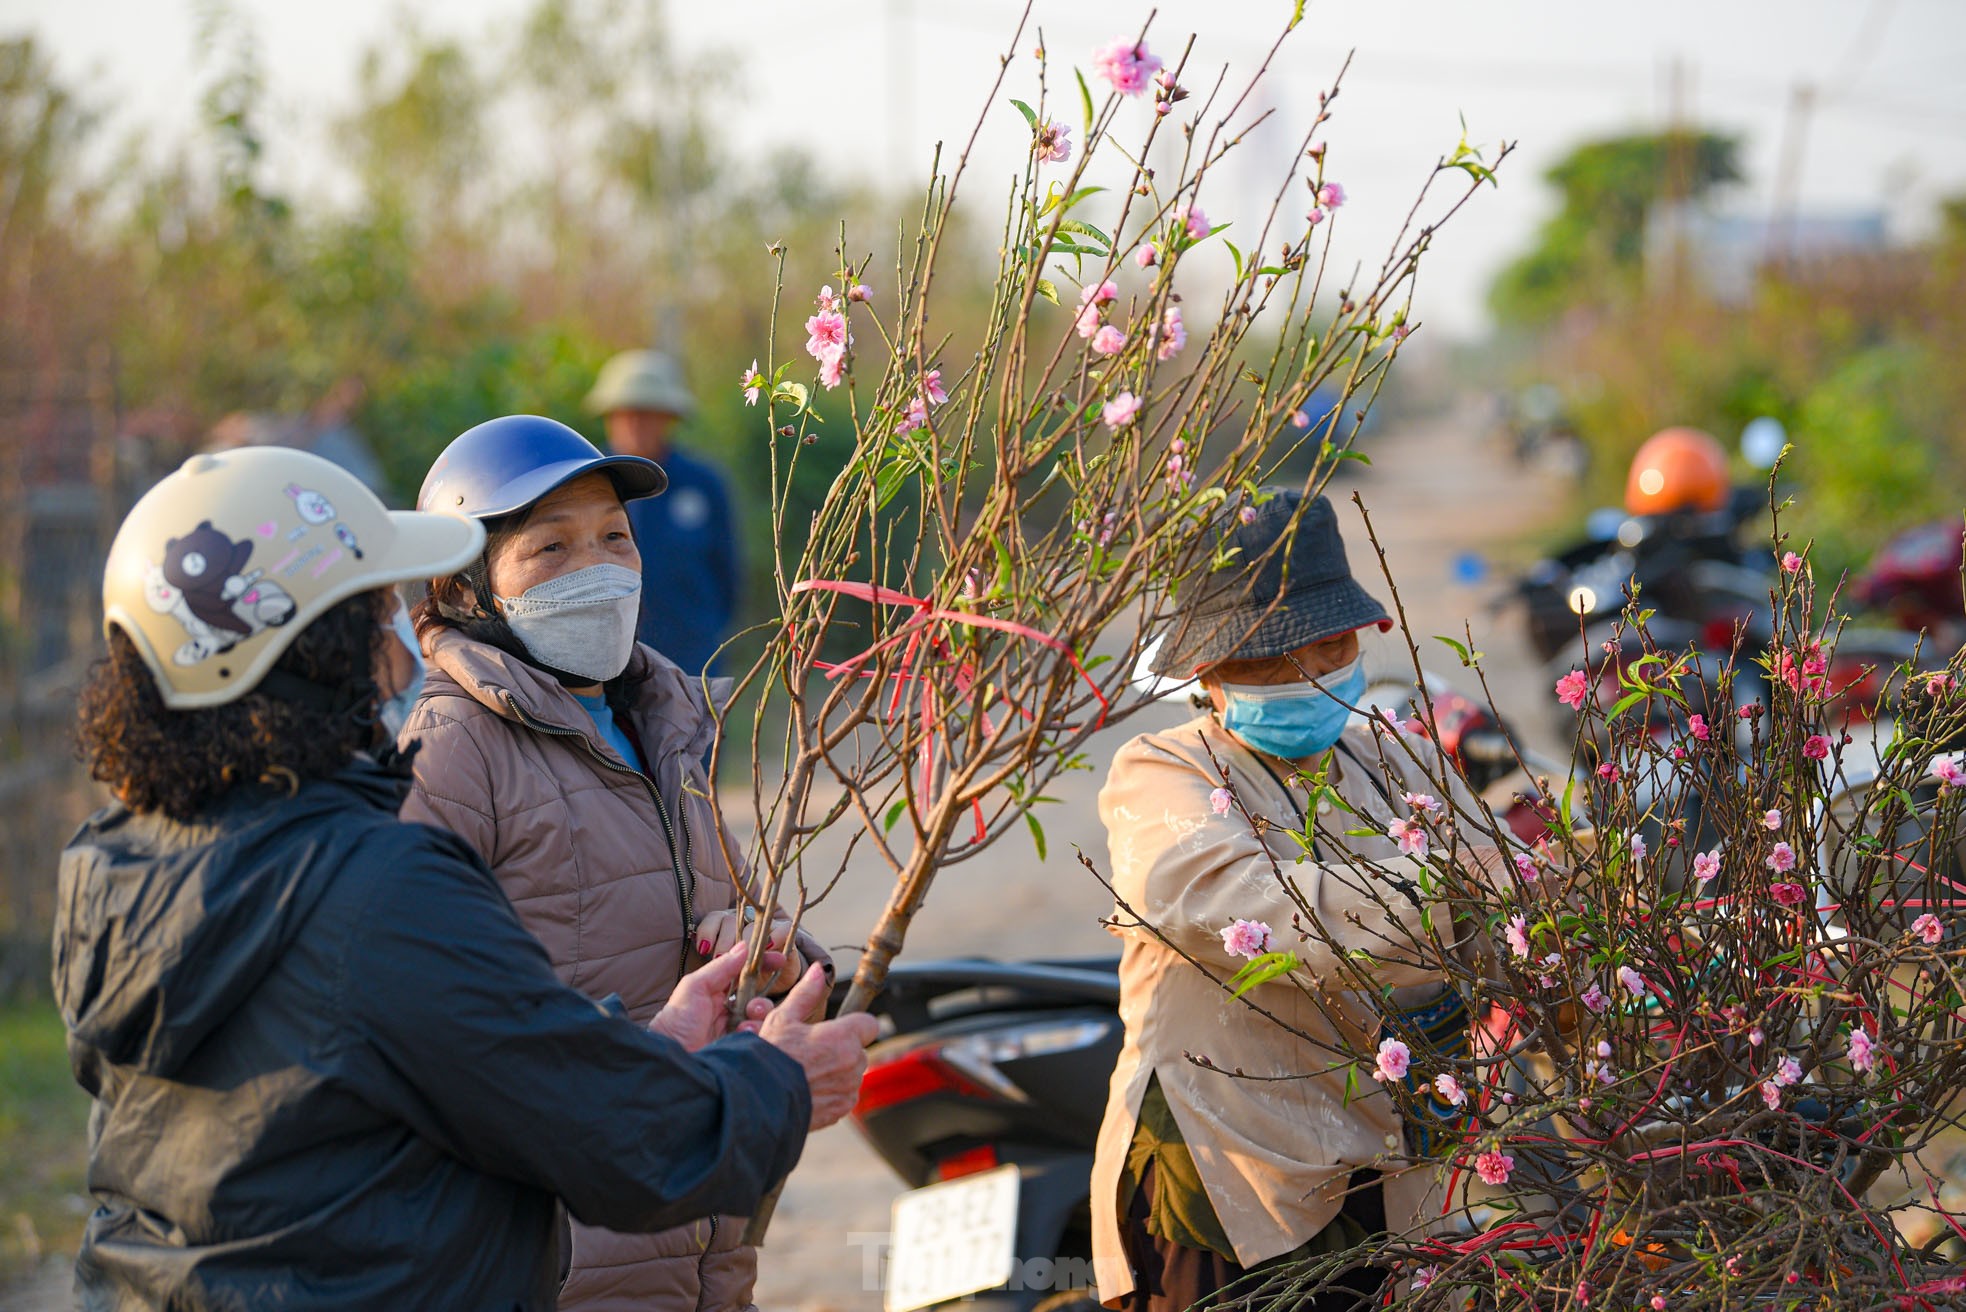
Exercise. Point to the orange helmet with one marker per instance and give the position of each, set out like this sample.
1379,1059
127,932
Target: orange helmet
1677,469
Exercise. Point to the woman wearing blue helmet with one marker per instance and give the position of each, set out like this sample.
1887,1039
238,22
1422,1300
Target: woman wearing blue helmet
571,757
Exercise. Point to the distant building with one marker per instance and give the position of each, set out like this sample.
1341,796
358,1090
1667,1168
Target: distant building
1723,254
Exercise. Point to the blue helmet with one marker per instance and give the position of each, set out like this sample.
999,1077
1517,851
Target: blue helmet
504,465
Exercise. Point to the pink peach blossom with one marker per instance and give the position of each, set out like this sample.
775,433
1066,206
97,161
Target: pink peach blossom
1411,836
1331,195
1109,341
1863,1051
1816,748
1220,800
1697,724
1787,1071
1121,410
1194,219
1633,981
1147,256
1928,928
1087,322
1052,143
1771,1094
1706,865
1572,688
1525,867
751,381
1126,65
1782,859
1314,217
1791,563
1594,1000
1173,334
1517,934
1246,938
1786,892
1247,514
826,300
832,369
1946,770
826,333
1450,1089
1494,1167
1420,801
1099,293
1772,820
1393,1061
1299,420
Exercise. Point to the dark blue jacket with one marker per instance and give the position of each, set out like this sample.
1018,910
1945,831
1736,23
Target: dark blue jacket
332,1071
691,570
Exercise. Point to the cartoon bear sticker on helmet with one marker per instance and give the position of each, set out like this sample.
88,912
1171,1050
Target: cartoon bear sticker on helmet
203,583
313,507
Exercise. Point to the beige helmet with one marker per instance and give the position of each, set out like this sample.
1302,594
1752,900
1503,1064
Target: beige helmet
218,567
641,380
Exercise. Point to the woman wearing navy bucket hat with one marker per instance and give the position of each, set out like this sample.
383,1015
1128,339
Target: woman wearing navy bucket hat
571,757
1201,1176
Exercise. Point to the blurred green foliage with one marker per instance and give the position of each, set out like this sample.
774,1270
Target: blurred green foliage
1854,353
43,1142
505,212
1592,249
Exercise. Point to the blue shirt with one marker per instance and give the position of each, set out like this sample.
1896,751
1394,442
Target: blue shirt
603,716
690,563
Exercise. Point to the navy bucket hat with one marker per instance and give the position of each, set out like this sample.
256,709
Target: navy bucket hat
1286,589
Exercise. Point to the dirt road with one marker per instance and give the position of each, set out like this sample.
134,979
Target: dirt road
1436,490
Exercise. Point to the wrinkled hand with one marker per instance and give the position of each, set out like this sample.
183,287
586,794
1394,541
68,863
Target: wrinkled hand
719,930
832,1052
698,1010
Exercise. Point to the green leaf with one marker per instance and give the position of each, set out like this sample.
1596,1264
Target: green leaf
893,815
1005,570
1048,289
1096,661
1351,1073
1237,256
889,481
1037,833
1626,702
1030,115
1296,14
1080,195
1083,229
1363,833
1261,970
1085,104
796,395
1459,650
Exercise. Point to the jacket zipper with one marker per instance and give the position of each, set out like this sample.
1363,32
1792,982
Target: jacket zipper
683,895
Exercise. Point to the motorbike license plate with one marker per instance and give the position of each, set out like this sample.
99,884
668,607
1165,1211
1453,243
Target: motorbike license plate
952,1239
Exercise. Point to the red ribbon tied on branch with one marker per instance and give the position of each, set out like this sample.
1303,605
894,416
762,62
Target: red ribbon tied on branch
923,634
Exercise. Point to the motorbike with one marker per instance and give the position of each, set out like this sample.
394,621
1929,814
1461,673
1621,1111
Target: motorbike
985,1095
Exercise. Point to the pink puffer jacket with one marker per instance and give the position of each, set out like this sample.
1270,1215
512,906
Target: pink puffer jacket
607,867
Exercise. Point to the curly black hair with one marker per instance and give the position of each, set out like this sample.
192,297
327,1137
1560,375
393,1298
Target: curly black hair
182,762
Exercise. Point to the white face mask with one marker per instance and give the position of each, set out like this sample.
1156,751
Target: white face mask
394,710
583,622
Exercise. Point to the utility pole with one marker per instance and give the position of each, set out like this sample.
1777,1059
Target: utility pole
1788,173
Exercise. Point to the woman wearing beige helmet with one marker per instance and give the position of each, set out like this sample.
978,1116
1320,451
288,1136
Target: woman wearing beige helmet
571,757
330,1068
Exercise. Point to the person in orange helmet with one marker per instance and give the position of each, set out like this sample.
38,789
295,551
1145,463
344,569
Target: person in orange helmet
1677,469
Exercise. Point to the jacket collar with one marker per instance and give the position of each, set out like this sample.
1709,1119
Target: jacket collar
671,710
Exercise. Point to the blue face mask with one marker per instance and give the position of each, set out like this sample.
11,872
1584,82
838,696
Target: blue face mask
1293,720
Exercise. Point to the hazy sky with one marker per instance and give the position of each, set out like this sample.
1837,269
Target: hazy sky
868,87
